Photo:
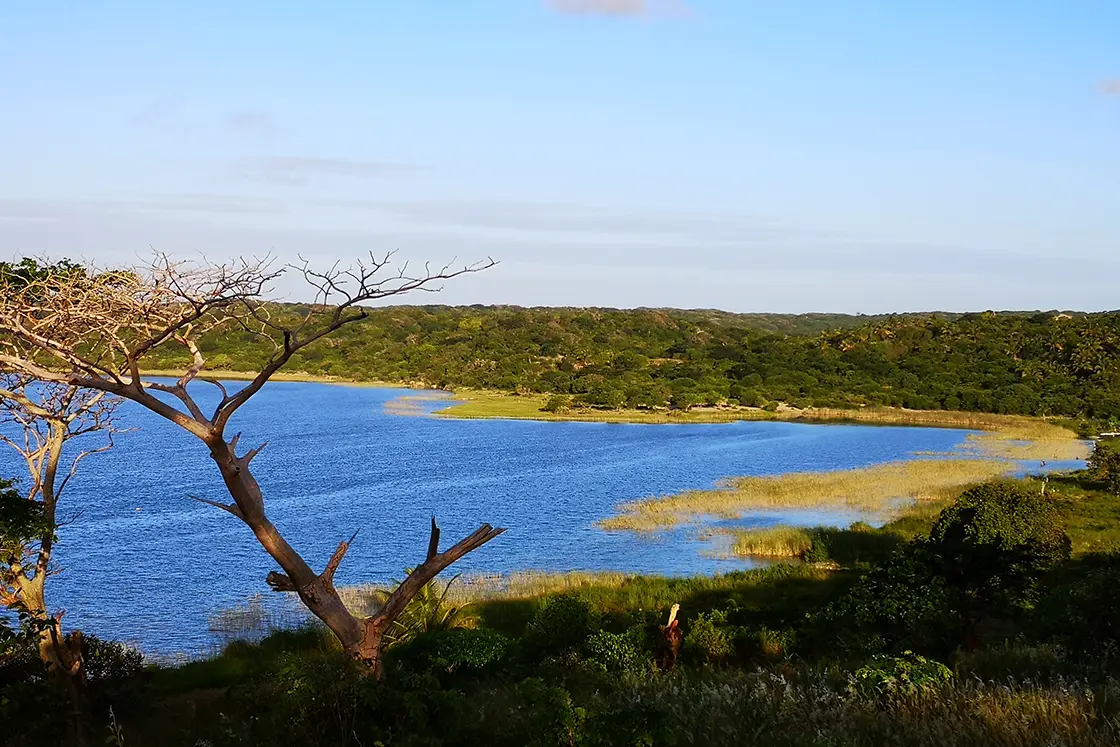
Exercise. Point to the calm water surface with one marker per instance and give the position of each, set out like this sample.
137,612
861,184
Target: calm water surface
144,563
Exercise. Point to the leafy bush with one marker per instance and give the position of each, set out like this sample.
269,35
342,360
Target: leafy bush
995,542
536,714
428,611
709,638
983,560
557,403
618,653
109,662
563,622
1104,465
454,650
897,675
899,605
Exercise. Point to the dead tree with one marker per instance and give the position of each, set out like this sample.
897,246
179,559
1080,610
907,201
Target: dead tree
41,419
94,330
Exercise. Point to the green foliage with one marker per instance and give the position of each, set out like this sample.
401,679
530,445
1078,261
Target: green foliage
449,651
557,403
1079,608
21,520
110,663
982,562
618,653
905,674
1104,465
995,542
709,638
428,611
999,363
561,623
29,270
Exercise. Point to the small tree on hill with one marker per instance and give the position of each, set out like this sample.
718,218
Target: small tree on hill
93,330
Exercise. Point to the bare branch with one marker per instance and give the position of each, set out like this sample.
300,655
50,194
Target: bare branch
252,453
327,575
280,581
431,568
433,540
231,508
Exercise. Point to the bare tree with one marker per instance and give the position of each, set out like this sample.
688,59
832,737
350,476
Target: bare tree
93,330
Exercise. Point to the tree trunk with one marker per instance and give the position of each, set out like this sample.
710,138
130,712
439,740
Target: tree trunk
362,639
319,597
61,656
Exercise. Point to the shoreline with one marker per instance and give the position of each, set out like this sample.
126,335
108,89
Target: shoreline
295,376
485,404
473,404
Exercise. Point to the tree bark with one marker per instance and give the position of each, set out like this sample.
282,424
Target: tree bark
362,639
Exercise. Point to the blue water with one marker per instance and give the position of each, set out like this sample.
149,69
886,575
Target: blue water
144,563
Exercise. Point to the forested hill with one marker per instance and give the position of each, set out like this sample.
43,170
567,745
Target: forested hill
1037,364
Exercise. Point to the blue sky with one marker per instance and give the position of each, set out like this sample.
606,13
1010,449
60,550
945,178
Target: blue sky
754,156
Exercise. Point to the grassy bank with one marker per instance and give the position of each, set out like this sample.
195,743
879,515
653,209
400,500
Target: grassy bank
474,403
883,489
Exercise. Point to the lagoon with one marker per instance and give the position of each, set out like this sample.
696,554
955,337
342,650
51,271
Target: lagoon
145,564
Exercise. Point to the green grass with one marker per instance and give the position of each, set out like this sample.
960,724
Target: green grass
475,403
1092,515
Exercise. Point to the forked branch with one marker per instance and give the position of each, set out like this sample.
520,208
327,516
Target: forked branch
431,568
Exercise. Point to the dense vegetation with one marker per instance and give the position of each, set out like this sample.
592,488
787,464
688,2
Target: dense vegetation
1030,364
993,622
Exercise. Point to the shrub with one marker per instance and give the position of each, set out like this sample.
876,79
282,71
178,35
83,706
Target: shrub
995,542
454,650
899,605
426,612
618,653
982,562
109,662
1104,465
540,714
1079,609
898,675
709,639
557,403
562,622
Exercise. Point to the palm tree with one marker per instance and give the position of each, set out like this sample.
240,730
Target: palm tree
428,611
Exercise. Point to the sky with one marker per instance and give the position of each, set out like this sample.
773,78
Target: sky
795,156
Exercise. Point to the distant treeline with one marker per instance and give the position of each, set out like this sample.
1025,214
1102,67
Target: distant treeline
1019,363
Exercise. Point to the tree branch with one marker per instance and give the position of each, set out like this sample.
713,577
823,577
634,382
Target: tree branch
332,565
230,507
431,568
433,540
280,581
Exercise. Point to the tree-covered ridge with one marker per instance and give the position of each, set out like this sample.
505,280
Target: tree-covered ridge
1032,364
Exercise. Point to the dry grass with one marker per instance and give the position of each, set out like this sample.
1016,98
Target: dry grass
473,404
470,589
413,404
772,542
882,489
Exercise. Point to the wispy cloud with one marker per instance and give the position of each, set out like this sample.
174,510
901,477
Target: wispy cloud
298,170
621,8
1111,86
249,122
166,114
